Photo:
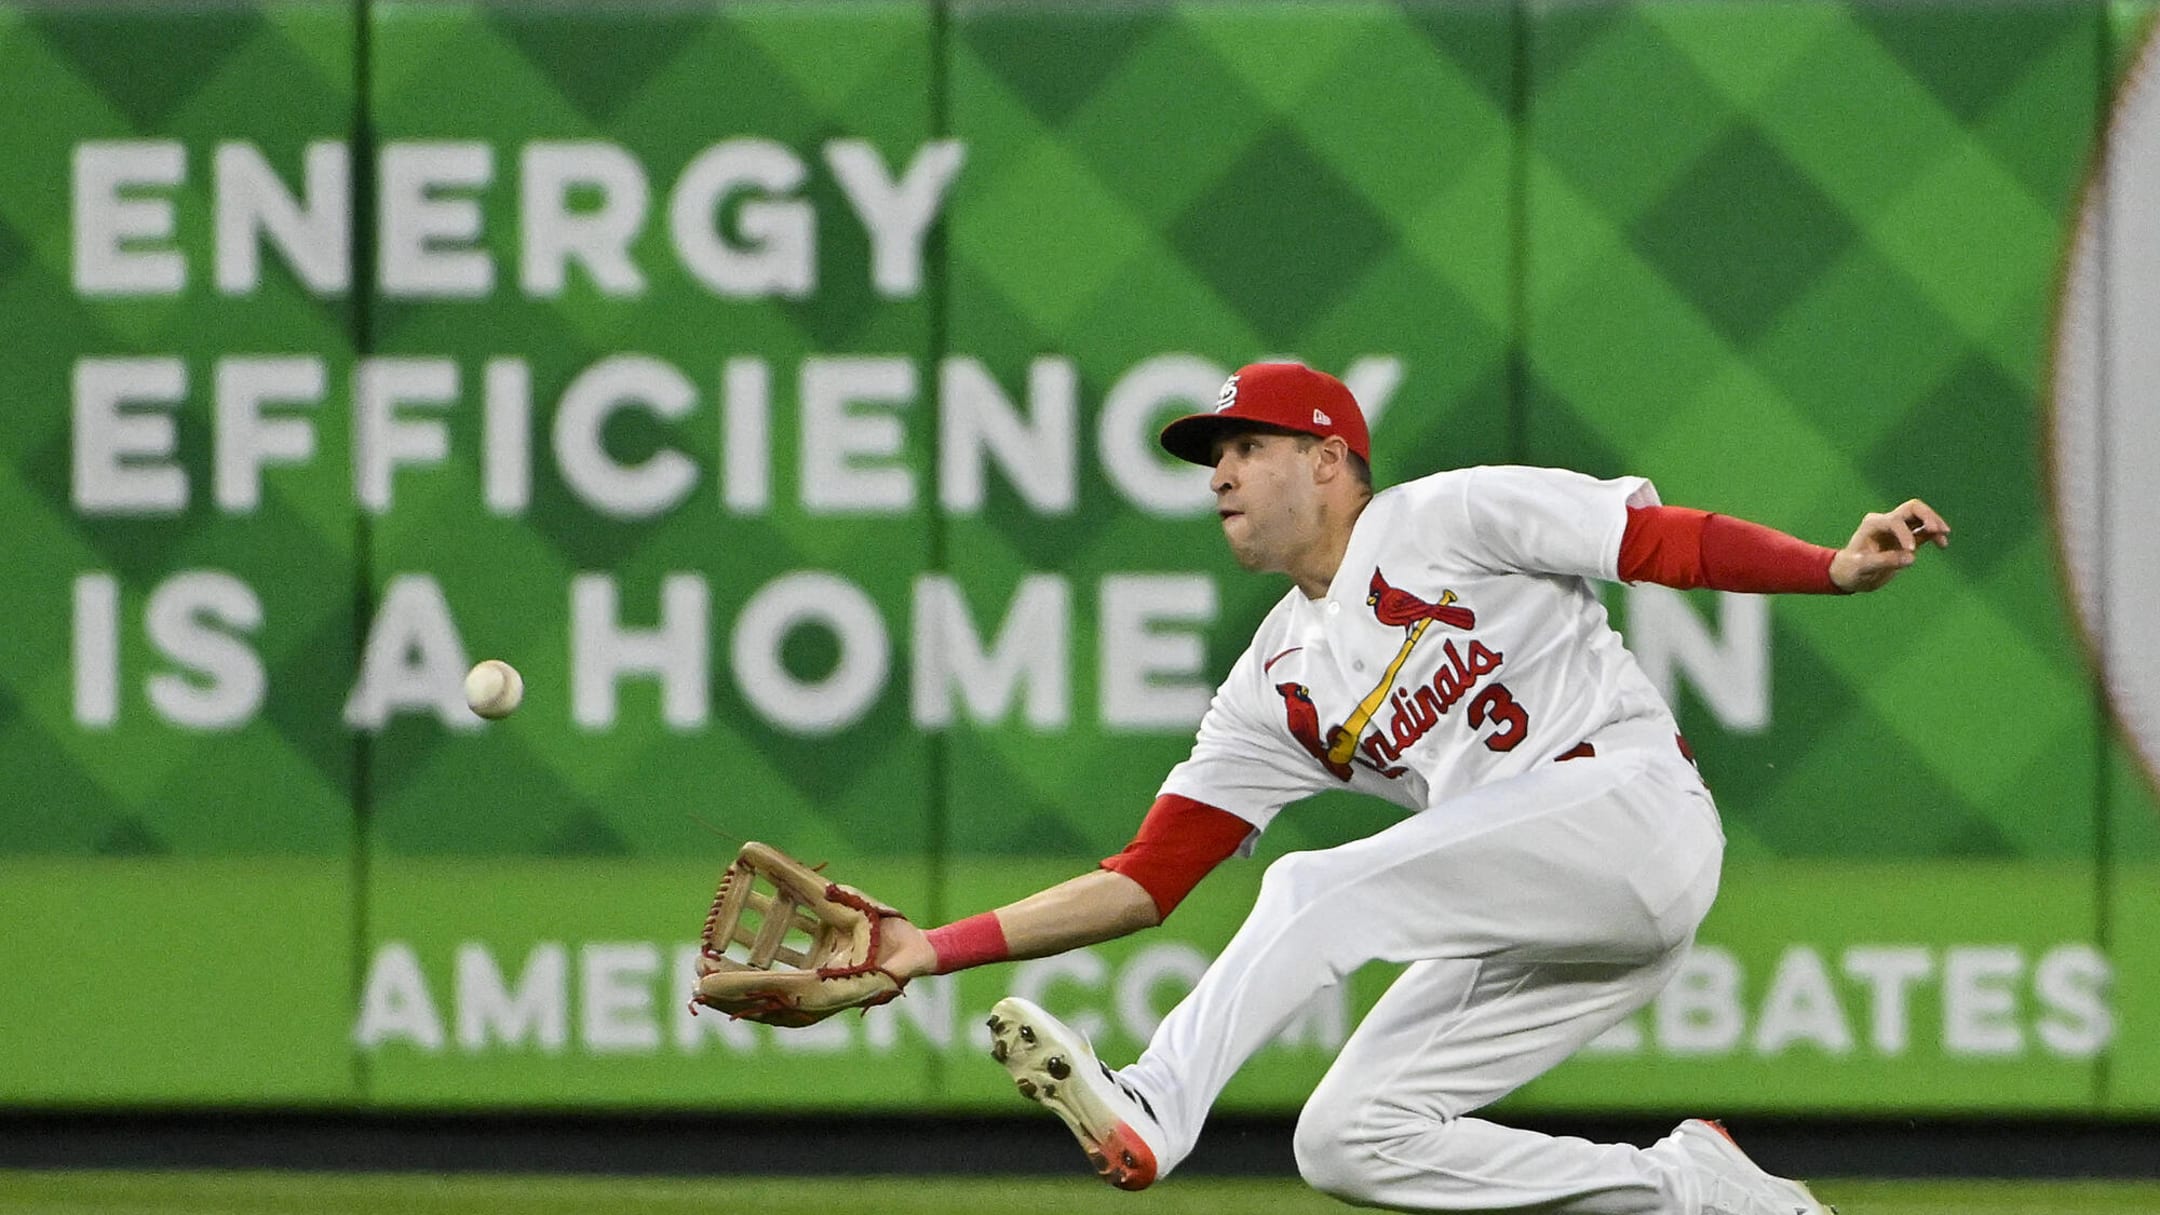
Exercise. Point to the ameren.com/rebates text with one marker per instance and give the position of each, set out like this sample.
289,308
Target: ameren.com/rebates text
1857,1002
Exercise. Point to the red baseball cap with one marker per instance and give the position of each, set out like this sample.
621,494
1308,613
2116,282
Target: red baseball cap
1284,396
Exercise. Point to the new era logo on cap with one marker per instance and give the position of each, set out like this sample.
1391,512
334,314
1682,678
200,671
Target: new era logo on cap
1276,396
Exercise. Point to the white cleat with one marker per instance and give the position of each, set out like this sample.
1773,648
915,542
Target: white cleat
1053,1065
1734,1185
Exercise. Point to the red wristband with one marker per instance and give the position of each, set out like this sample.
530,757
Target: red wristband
974,941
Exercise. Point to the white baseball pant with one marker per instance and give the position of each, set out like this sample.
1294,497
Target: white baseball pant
1537,912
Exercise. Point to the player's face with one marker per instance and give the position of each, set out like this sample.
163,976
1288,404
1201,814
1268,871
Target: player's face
1266,497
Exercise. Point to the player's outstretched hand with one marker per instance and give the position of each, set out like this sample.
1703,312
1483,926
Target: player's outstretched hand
907,952
1885,544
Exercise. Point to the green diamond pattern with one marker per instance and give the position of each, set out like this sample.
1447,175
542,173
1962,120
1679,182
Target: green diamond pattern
1971,63
1054,59
282,784
1279,204
1278,198
1778,235
1742,235
1987,480
1794,261
1276,207
149,64
641,788
601,60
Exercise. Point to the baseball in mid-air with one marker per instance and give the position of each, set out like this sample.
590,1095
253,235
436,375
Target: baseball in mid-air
494,688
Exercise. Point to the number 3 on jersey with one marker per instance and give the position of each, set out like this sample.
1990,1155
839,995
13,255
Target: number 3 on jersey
1496,704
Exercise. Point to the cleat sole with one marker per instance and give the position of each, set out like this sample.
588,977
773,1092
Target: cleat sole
1117,1154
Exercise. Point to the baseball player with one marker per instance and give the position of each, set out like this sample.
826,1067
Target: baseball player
1442,646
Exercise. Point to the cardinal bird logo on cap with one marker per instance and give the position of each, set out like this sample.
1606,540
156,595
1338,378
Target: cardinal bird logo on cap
1393,605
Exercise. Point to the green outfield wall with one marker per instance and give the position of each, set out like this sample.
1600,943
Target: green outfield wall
774,384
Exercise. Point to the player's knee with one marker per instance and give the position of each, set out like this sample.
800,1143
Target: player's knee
1333,1155
1325,1157
1352,1146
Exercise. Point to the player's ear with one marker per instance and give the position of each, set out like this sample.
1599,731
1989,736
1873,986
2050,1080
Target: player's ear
1333,459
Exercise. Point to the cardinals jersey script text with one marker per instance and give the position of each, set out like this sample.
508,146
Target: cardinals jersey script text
1462,641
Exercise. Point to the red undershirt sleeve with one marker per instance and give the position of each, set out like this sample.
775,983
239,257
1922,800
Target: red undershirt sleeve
1684,548
1179,842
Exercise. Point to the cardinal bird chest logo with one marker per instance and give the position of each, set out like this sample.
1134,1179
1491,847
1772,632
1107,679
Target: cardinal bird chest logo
1424,682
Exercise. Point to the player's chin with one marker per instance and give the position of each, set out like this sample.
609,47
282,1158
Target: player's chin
1242,548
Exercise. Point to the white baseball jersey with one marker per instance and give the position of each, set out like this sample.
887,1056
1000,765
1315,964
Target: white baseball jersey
1461,642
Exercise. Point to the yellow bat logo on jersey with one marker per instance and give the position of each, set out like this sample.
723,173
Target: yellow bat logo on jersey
1393,605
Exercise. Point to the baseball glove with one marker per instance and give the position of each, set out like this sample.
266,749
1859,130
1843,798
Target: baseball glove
803,948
